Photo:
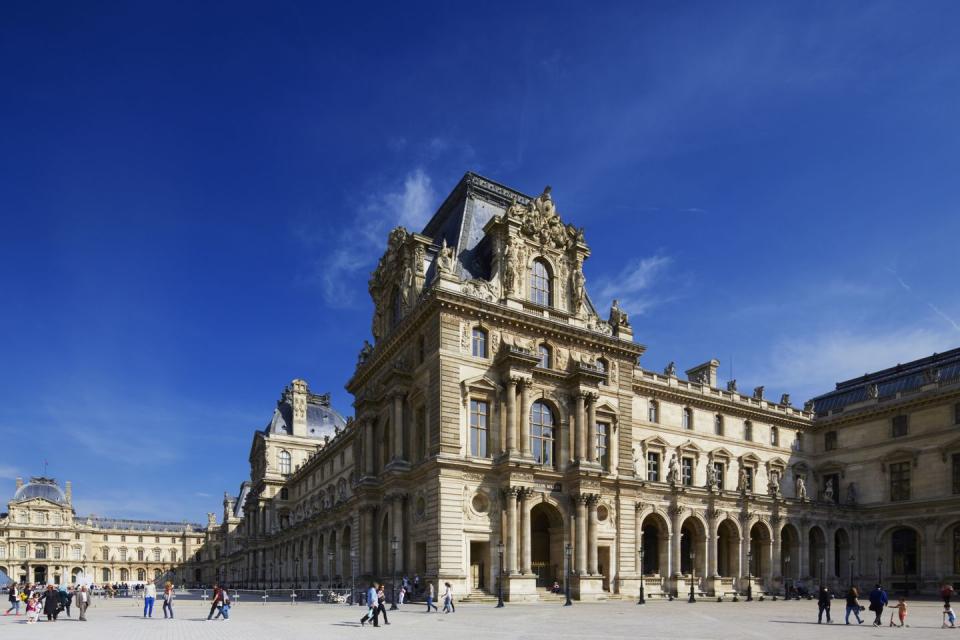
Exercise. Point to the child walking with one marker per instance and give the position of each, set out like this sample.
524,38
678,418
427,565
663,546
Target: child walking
33,610
949,616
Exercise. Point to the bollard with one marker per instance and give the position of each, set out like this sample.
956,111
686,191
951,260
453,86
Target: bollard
265,596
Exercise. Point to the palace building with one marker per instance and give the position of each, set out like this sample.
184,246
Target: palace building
502,416
43,540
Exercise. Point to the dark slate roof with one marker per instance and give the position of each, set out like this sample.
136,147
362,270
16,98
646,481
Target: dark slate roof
322,419
39,487
903,378
241,498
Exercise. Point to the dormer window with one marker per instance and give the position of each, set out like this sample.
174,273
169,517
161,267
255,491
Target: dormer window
283,462
546,360
540,283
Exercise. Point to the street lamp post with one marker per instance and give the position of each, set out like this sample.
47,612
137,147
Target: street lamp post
330,557
353,576
693,575
642,600
394,545
750,575
786,562
567,554
500,576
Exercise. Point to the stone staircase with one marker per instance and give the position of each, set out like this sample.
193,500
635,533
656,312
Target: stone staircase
478,596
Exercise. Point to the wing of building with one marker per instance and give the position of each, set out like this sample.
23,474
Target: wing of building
43,540
503,420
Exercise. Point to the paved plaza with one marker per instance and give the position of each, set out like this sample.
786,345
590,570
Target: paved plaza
602,621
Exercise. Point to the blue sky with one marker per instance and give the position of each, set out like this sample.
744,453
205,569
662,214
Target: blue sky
192,196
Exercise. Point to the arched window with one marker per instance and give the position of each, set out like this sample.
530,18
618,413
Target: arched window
540,283
774,436
141,575
748,430
718,425
284,493
603,444
104,553
653,412
283,461
105,575
904,546
479,343
124,575
541,433
546,359
40,553
687,418
602,366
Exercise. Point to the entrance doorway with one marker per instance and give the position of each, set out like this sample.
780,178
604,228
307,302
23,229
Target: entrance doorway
546,544
40,575
603,565
479,554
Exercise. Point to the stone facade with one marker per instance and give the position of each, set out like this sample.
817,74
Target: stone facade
496,404
42,539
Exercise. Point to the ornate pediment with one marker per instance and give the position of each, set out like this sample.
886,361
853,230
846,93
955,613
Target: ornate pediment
396,283
540,222
721,454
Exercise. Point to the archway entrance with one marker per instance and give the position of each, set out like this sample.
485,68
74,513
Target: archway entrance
479,562
841,554
546,544
904,546
655,535
759,551
693,557
789,554
40,574
728,550
817,544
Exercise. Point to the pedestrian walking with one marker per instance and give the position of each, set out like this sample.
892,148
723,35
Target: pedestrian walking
51,603
946,593
66,599
217,602
949,616
381,600
83,601
430,604
168,597
447,597
878,600
13,596
225,605
853,606
901,610
33,610
823,604
149,597
371,606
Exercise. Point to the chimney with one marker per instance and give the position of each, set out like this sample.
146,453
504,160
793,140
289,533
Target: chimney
298,399
705,373
68,491
19,482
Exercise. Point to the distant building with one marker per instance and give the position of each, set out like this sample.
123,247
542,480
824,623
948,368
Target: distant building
498,406
42,540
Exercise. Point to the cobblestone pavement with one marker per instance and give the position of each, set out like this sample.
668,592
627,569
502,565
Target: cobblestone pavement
121,620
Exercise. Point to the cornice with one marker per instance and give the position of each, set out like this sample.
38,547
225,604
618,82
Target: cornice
884,409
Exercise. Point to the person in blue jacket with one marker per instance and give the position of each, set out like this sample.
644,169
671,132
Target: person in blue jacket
878,600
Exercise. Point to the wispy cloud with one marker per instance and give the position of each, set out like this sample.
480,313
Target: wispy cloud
408,202
634,285
937,310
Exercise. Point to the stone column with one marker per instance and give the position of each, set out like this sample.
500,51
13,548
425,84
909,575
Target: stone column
712,550
581,567
510,561
675,547
593,537
368,446
398,426
524,419
775,554
591,428
511,416
525,552
638,537
368,543
828,555
578,429
801,560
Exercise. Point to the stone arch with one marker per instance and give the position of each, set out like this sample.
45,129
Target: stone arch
537,433
761,544
885,532
729,538
550,267
900,546
655,535
693,545
816,551
547,539
842,548
790,551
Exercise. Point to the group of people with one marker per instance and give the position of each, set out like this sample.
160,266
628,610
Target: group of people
50,601
878,601
376,599
220,605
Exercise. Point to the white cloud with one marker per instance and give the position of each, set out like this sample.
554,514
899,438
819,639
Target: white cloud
810,365
409,204
633,285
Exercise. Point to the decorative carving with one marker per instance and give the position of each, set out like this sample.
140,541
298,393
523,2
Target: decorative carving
808,406
562,355
758,393
670,370
540,222
732,386
618,317
511,267
852,493
365,352
482,289
931,375
464,337
445,259
801,488
828,491
785,399
873,391
711,477
494,342
599,326
673,471
742,480
577,282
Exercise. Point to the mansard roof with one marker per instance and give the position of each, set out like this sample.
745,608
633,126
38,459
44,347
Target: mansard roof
887,383
39,487
322,418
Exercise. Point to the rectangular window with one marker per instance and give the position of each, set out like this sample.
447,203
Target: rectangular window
749,475
652,414
22,551
156,555
75,553
687,419
718,425
603,432
173,555
478,428
899,481
774,437
899,426
829,440
123,555
56,553
653,466
686,471
3,551
479,343
719,471
421,452
748,431
956,473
